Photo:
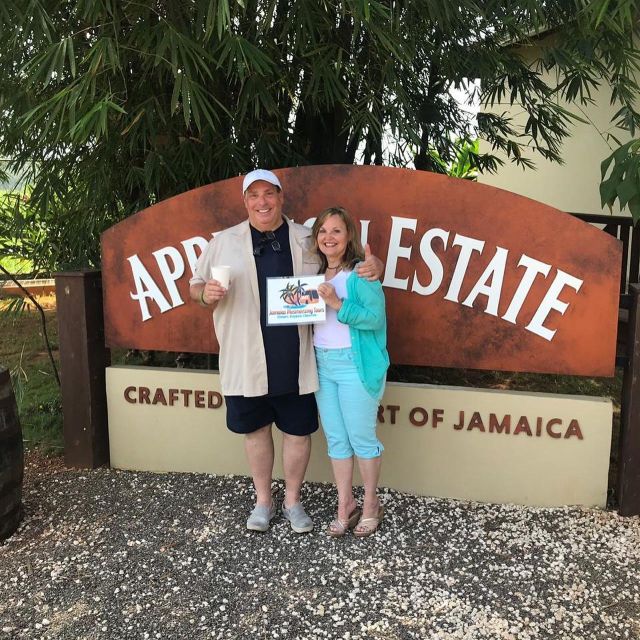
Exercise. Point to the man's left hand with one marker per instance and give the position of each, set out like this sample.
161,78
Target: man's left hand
372,268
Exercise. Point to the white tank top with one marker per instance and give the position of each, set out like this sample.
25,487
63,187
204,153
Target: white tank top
333,334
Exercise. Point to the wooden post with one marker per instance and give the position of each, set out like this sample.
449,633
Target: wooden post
83,359
629,453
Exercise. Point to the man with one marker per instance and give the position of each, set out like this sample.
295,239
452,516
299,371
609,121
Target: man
267,373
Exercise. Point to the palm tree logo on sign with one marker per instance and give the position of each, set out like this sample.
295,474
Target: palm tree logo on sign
296,296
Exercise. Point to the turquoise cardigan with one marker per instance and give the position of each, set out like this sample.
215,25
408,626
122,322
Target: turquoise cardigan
363,310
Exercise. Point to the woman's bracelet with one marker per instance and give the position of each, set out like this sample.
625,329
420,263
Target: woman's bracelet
202,302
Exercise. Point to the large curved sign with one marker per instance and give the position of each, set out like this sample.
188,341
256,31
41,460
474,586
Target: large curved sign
475,276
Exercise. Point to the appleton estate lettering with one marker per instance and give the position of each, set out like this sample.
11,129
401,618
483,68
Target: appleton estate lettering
474,276
488,287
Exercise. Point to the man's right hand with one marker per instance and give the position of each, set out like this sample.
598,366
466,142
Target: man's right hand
213,292
208,294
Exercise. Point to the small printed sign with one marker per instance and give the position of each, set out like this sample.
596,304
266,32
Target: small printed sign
295,300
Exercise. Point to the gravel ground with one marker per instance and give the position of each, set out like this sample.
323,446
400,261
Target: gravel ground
109,554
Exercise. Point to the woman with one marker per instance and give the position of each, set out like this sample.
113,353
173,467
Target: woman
352,364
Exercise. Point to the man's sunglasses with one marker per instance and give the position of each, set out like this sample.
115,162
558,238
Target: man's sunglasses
268,237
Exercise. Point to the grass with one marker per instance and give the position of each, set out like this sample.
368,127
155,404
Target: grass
23,352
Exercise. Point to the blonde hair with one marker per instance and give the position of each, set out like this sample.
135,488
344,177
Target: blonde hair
354,252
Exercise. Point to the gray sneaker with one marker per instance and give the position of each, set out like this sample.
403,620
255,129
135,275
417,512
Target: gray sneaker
260,518
297,517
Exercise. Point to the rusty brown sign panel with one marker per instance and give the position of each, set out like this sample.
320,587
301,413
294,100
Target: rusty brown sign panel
475,276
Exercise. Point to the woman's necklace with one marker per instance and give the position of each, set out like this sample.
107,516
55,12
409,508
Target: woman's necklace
336,269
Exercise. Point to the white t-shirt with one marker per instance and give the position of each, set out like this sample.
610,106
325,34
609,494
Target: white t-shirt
333,334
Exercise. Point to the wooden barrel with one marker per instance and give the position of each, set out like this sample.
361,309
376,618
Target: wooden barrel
11,459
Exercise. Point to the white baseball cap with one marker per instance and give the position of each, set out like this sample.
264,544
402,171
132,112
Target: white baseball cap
260,174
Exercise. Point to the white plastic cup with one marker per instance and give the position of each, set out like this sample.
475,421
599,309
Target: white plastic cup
221,273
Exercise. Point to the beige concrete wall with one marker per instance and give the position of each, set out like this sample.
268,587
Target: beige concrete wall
574,185
534,464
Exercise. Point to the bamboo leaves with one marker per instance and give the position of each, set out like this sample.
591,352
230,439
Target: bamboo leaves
95,123
111,105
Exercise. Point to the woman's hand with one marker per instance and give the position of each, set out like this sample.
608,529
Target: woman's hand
328,294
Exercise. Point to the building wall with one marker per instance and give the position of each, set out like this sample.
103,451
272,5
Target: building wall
573,186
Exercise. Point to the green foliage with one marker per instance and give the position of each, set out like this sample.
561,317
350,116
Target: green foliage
623,183
109,106
464,164
10,248
16,265
19,378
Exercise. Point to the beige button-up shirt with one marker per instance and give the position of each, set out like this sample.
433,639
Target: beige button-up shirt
236,319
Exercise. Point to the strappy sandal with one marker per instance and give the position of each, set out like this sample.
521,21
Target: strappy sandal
337,528
370,524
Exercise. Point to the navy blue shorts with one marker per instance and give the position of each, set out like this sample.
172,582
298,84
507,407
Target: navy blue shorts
292,413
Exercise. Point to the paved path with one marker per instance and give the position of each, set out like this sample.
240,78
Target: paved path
119,555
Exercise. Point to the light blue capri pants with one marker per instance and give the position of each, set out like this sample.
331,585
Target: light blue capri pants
348,412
